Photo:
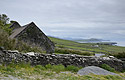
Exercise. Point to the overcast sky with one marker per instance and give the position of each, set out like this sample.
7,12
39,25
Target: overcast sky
104,19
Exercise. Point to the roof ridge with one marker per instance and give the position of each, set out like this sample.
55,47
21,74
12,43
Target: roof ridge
28,24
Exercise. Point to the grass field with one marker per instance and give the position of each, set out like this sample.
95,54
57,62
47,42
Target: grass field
49,72
87,47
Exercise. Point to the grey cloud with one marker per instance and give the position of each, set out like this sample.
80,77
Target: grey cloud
87,18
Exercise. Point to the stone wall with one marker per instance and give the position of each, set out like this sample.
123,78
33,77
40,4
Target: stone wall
65,59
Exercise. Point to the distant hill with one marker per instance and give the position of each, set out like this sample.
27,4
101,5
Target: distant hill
91,40
98,41
90,47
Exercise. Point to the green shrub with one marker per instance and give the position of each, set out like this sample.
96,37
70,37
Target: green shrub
61,46
72,68
58,68
48,66
12,44
4,41
119,55
24,65
4,23
107,67
85,53
112,77
9,69
72,51
40,67
88,76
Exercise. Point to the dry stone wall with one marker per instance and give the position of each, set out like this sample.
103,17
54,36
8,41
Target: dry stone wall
7,56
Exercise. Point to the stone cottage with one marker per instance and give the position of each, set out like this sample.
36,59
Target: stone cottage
32,35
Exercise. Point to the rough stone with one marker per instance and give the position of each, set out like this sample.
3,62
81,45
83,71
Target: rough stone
30,53
94,70
76,60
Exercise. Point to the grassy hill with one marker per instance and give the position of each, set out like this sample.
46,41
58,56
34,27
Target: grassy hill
86,47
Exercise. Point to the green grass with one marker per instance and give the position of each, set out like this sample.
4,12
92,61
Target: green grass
48,72
72,68
72,51
107,67
86,47
119,55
